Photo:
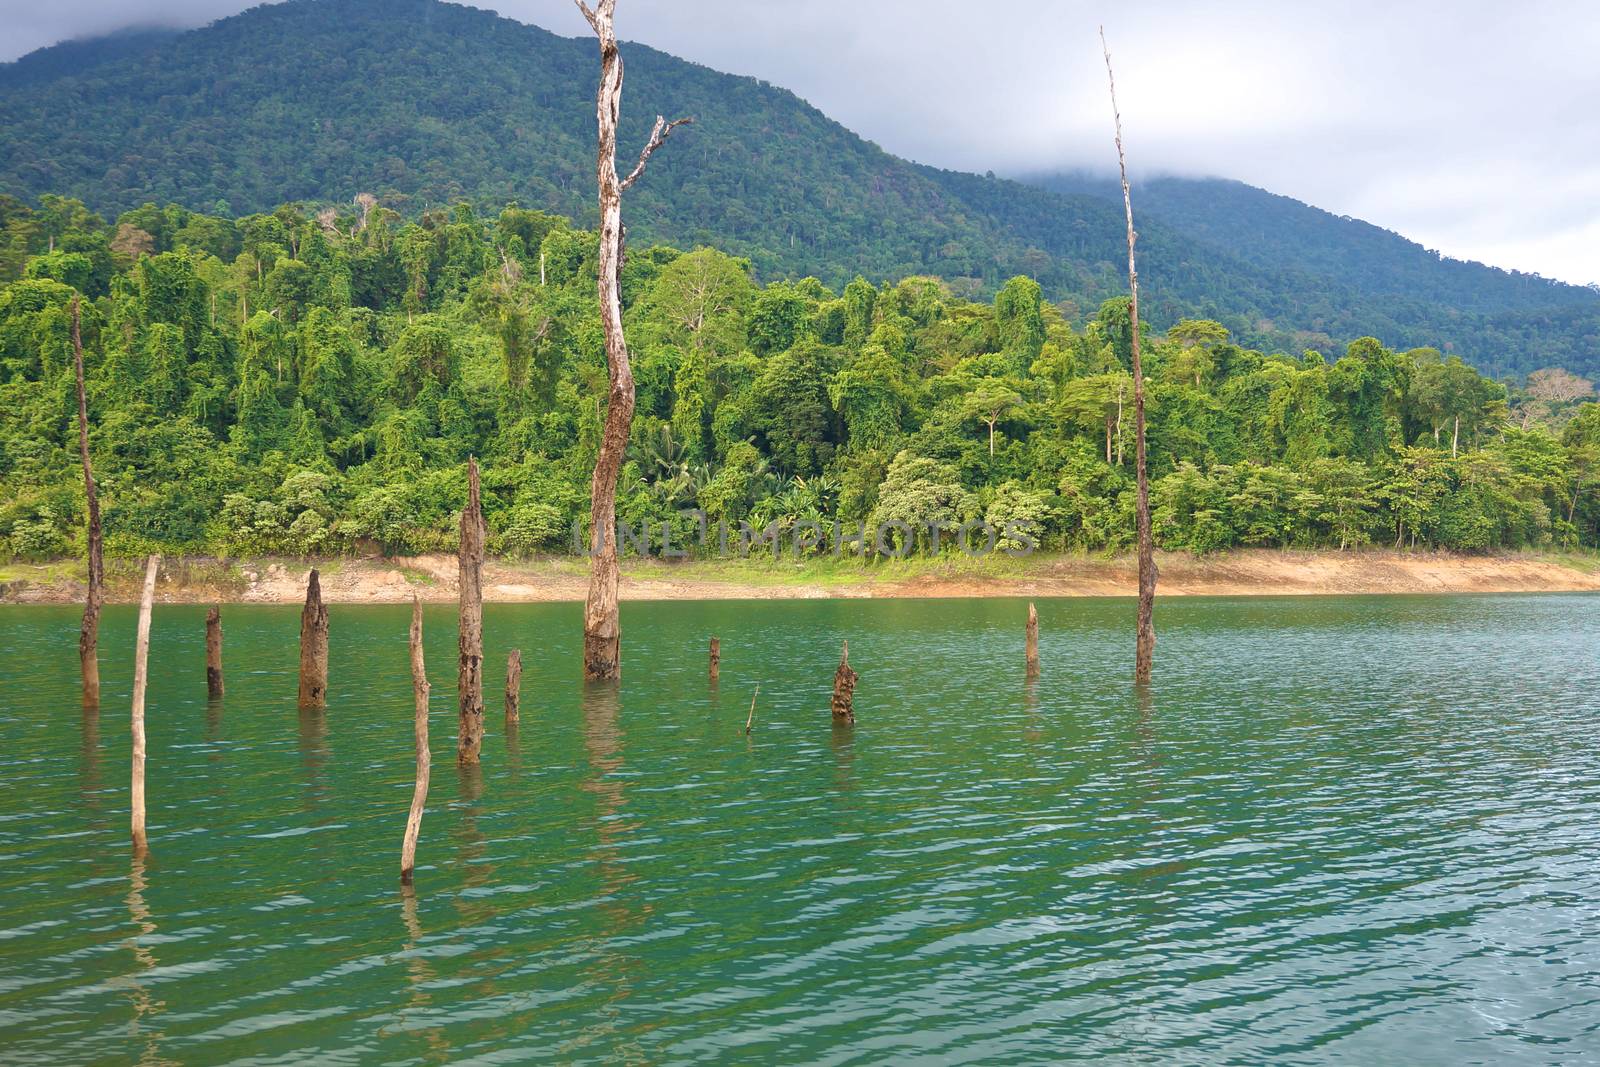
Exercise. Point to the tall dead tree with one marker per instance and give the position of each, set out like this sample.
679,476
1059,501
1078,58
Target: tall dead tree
314,646
89,632
602,628
1145,642
469,635
141,675
214,653
419,795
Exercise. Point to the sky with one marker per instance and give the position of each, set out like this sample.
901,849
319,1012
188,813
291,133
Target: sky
1470,126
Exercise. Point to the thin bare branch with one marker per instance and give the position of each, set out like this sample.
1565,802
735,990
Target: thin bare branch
658,136
588,14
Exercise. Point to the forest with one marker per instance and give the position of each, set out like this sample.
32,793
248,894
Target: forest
424,104
312,382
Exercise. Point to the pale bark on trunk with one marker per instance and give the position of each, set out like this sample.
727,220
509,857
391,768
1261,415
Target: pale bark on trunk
1455,437
214,653
419,794
716,659
1145,641
1033,641
314,646
844,688
89,631
141,675
602,629
469,678
514,686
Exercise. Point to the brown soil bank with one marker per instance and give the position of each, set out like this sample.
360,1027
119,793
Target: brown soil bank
1245,573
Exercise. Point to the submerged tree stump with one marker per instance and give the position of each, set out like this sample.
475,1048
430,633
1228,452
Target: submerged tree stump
214,653
514,686
141,675
314,646
716,659
469,677
419,794
1033,642
89,631
844,688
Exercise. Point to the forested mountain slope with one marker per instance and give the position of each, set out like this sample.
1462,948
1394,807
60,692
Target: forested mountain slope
422,103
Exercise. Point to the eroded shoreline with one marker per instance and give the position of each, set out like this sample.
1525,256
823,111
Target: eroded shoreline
1256,572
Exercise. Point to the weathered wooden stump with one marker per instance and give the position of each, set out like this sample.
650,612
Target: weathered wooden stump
844,688
141,675
716,659
314,646
514,686
1033,642
419,795
214,653
469,676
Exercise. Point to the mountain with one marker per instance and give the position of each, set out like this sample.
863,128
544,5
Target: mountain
422,103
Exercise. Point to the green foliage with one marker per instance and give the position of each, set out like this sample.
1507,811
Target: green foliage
289,400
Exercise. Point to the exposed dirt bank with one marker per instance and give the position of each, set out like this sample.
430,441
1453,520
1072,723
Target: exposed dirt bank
1247,573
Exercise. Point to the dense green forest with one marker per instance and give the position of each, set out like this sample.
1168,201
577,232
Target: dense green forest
423,103
301,382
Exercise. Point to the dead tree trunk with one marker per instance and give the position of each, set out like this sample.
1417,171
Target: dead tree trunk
89,632
1145,642
214,653
716,659
514,686
1033,641
602,629
844,688
419,795
314,646
469,636
141,675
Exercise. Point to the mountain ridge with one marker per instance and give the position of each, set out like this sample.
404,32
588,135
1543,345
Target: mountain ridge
424,103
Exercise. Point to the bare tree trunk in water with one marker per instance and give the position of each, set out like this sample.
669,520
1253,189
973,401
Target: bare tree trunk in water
141,675
469,637
716,659
844,688
602,629
1033,642
419,795
1145,645
214,653
514,686
89,632
314,646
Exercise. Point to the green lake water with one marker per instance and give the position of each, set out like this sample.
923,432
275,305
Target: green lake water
1336,830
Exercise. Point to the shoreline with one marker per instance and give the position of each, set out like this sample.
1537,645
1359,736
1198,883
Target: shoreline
1247,572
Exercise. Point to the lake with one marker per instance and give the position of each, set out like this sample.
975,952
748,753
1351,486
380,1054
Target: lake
1340,829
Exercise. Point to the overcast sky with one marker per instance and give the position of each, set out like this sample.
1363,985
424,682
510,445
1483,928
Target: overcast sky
1472,126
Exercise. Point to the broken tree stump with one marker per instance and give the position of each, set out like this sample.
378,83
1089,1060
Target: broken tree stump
469,677
844,688
141,675
419,795
214,653
716,659
314,646
1033,641
514,686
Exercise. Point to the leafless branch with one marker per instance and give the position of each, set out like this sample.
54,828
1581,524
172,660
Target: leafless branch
658,136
